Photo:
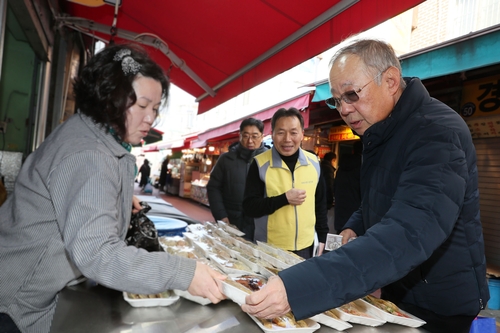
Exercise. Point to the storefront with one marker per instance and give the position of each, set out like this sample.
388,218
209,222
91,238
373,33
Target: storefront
206,148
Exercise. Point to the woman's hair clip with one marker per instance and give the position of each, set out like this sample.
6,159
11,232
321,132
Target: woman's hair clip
129,65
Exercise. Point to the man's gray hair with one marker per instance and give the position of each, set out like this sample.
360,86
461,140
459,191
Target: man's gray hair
377,55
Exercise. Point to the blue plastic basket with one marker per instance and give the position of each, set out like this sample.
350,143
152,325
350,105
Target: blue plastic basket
483,325
494,286
167,226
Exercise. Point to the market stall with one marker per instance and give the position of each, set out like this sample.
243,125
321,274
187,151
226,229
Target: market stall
199,189
88,307
108,310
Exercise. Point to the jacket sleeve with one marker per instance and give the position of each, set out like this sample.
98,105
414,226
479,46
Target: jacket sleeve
255,202
215,188
422,214
320,210
355,223
86,192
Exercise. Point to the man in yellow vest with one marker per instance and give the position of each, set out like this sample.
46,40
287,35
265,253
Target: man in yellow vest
285,192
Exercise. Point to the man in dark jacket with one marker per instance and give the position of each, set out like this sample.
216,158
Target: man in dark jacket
347,187
226,186
145,171
418,230
328,174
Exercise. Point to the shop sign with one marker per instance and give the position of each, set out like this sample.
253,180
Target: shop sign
481,97
322,150
341,133
486,127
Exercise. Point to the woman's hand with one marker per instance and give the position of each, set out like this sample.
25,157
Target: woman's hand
136,205
205,284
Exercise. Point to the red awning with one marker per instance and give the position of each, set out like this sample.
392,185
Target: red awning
198,144
149,148
232,129
227,47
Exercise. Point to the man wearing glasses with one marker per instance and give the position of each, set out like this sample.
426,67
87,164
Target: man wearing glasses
227,181
419,235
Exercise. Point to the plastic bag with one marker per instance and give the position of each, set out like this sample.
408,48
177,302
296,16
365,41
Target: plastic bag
142,232
148,188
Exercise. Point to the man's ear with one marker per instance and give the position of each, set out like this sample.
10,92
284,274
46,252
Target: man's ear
392,78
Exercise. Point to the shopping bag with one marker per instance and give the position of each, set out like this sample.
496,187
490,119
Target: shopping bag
148,188
142,231
483,325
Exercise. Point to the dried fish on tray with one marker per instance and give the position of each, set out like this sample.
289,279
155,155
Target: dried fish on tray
391,313
288,257
229,265
246,246
237,286
230,229
286,323
141,300
358,312
273,258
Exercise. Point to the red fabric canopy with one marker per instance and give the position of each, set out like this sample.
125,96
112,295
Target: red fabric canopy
232,129
244,42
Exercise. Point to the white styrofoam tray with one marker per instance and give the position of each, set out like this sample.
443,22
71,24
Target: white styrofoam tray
149,302
374,320
390,318
311,327
329,321
197,299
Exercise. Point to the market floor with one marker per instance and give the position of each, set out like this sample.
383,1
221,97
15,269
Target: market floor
188,206
202,213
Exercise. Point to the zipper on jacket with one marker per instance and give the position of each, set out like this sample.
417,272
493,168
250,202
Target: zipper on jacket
481,304
296,217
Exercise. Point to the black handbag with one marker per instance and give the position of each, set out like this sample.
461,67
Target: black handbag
142,232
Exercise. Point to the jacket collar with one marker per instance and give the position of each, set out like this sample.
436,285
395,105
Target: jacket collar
247,154
279,163
103,134
411,99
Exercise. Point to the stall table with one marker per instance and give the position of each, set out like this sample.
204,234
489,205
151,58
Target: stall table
88,307
199,193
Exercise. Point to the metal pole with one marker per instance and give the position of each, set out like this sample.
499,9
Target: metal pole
88,26
321,19
3,23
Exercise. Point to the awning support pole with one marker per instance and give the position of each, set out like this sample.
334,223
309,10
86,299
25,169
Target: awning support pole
321,19
88,27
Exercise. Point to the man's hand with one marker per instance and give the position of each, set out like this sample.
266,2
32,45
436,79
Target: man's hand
269,302
136,205
321,248
347,234
205,284
295,196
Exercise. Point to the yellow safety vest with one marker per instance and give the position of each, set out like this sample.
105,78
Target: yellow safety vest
290,227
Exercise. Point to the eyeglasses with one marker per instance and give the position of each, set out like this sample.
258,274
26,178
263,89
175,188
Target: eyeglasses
349,97
254,137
